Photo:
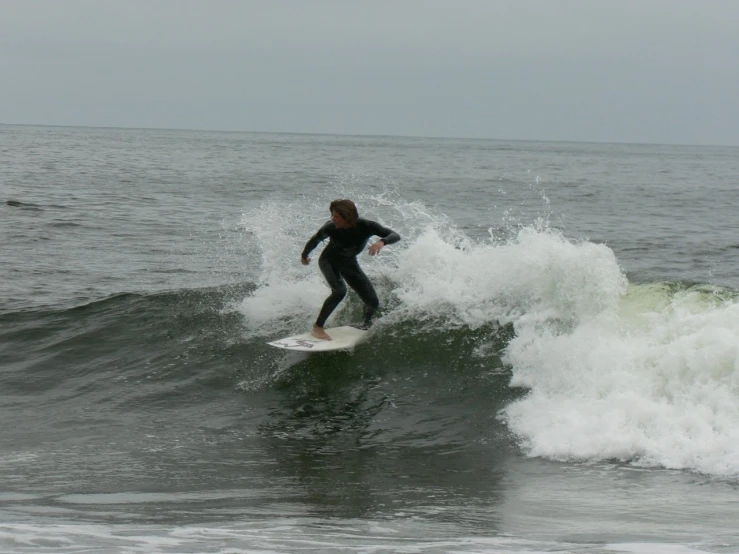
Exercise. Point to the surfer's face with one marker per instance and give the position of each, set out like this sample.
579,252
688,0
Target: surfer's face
339,221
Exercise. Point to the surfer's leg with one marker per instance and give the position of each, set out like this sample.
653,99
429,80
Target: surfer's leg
338,289
358,281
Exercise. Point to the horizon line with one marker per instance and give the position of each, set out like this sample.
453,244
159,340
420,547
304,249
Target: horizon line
358,135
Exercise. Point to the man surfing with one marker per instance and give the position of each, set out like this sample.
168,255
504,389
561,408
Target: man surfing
348,234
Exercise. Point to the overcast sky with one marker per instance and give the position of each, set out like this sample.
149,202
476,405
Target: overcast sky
658,71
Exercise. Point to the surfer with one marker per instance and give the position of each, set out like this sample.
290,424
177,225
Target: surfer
348,234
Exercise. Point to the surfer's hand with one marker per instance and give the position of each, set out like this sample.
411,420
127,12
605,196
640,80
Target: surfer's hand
304,261
376,247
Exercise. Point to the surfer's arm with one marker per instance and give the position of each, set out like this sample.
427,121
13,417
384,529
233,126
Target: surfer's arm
321,235
387,236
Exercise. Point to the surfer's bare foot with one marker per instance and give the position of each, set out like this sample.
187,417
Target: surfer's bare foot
319,333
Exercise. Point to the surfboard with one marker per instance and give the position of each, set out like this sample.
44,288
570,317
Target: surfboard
342,338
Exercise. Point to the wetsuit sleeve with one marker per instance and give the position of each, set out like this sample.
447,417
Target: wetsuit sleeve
388,236
314,240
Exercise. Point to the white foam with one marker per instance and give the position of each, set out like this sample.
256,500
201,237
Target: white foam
657,385
534,277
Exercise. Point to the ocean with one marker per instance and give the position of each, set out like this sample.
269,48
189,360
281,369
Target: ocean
555,369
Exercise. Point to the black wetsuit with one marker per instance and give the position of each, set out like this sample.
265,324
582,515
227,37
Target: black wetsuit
338,262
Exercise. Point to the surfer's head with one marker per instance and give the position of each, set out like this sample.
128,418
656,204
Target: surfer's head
343,213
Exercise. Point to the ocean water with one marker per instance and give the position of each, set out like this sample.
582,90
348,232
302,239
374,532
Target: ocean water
556,368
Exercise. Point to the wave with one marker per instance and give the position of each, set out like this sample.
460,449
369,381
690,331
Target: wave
541,337
107,350
644,373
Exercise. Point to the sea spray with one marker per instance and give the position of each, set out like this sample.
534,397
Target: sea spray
538,275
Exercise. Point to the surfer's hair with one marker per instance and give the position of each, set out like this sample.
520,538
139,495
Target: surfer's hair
346,209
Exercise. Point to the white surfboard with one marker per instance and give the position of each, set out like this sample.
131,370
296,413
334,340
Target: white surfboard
342,338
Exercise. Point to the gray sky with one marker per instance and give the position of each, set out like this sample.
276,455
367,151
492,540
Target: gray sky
664,71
